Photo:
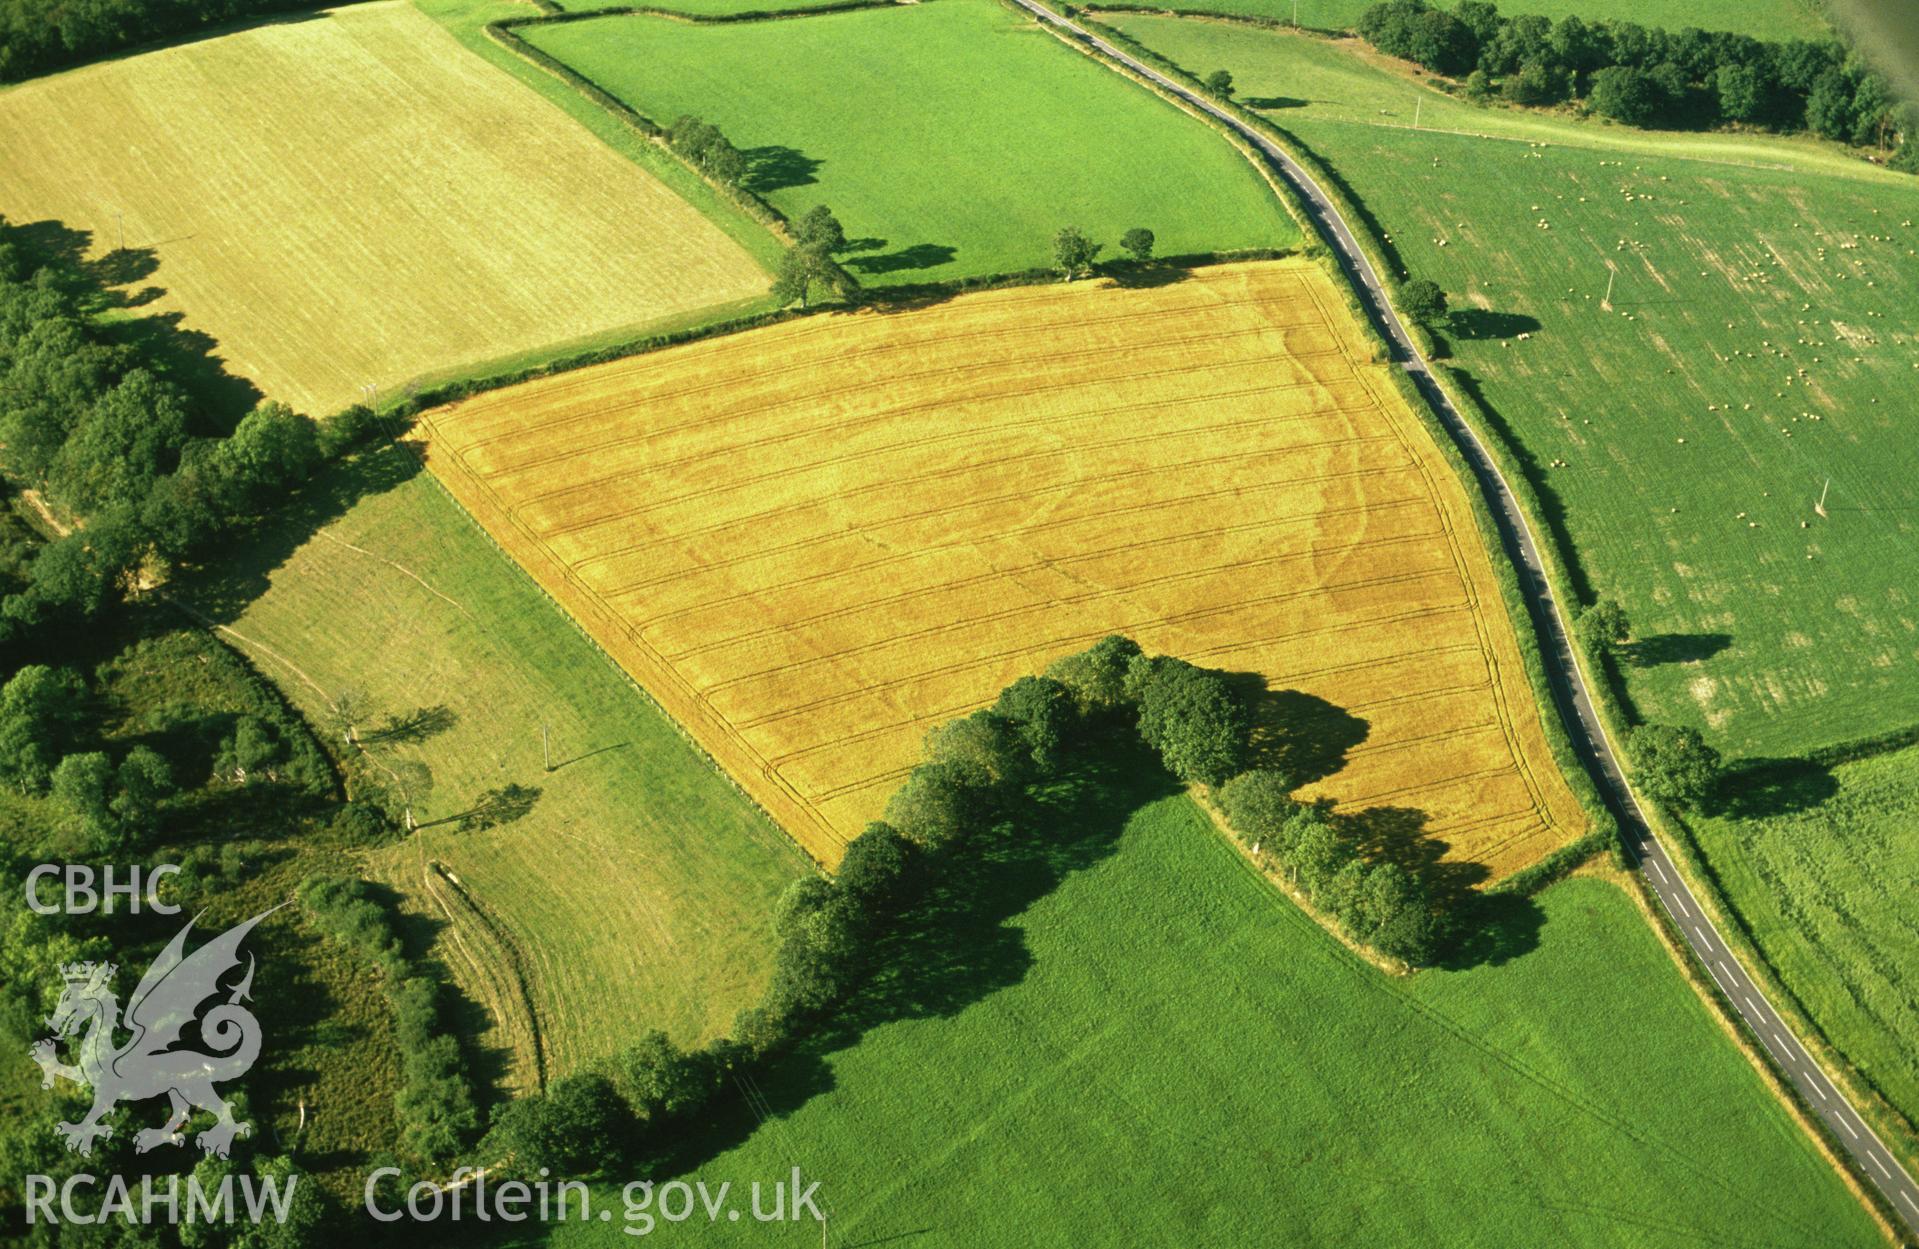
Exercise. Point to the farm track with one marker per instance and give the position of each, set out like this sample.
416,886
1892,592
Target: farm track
1573,698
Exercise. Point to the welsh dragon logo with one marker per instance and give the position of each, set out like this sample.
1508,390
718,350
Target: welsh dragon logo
172,995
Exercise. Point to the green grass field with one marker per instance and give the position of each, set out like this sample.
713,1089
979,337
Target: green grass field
1827,892
1164,1051
952,139
633,895
1758,344
1762,19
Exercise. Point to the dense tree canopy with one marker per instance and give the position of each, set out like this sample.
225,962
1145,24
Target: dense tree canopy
1646,76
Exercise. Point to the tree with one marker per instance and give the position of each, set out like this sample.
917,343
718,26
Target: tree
1673,765
1602,628
41,711
573,1128
820,228
82,786
272,448
1537,83
1829,106
873,871
1424,302
1220,83
1318,850
660,1080
141,783
1041,711
1096,677
801,269
1338,896
121,445
1260,808
936,807
249,754
1392,913
1138,243
1629,95
1192,717
1744,95
984,747
798,901
1074,253
815,962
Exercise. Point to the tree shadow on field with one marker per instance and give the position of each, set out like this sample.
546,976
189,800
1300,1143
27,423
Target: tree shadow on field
1144,275
1269,103
1480,324
1674,648
107,285
244,569
778,168
1295,733
1754,789
918,256
958,944
1478,927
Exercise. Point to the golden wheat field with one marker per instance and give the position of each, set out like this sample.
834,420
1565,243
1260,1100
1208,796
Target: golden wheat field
276,177
816,540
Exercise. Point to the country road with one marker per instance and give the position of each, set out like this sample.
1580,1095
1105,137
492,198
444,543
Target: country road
1874,1161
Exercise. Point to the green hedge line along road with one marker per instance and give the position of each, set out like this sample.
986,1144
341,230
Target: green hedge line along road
860,118
1874,1161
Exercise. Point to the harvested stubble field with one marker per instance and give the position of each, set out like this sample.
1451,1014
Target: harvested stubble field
814,541
303,234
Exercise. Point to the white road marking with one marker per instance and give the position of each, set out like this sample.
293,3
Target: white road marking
1722,984
1654,865
1819,1090
1728,971
1699,932
1751,1006
1907,1198
1680,898
1880,1165
1847,1124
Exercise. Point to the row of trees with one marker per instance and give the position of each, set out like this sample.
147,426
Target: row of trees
41,35
1378,904
967,788
434,1104
1671,764
1074,253
809,263
702,145
114,444
1646,76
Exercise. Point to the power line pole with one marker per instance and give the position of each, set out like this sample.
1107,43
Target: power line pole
546,751
1295,14
1417,105
1611,273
